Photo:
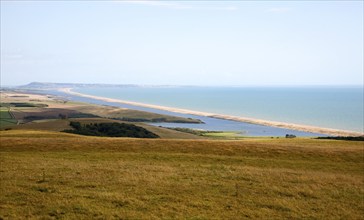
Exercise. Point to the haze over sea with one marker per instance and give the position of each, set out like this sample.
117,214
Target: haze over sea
330,107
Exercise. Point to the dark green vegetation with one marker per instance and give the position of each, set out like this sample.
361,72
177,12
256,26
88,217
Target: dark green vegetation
110,130
290,136
19,96
40,116
348,138
53,175
23,104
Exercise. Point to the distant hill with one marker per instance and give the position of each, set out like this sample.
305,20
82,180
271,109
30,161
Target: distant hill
46,85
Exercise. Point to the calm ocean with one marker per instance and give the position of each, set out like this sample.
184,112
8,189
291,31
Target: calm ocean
331,107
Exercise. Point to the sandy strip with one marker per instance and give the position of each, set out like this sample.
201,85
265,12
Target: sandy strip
306,128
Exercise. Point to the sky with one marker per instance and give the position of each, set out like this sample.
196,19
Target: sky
215,43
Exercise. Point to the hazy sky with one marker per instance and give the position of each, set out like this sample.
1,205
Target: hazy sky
182,42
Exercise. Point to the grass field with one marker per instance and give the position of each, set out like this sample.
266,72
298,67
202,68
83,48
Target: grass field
224,135
52,175
6,119
4,114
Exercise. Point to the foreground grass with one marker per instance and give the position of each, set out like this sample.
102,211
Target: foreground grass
57,175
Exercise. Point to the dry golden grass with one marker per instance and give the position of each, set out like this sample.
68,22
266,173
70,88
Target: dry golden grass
52,175
47,125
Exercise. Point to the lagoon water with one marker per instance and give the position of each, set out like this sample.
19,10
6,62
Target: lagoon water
331,107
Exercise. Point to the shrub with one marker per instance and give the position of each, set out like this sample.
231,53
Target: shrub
290,136
347,138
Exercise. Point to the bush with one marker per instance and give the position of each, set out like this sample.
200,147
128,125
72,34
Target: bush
35,117
346,138
290,136
25,104
75,125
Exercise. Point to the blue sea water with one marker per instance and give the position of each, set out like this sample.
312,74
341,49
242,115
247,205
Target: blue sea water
331,107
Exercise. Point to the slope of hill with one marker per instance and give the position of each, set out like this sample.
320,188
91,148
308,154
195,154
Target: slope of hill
57,175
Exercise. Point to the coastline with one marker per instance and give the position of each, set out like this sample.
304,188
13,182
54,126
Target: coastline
292,126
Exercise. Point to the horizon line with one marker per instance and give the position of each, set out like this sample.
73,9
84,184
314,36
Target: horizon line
191,85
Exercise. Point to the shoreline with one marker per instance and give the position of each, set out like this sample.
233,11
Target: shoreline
291,126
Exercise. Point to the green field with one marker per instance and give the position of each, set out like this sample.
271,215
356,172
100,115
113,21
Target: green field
6,119
224,135
4,114
52,175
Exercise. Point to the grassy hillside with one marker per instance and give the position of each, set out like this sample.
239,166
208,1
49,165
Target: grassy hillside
57,175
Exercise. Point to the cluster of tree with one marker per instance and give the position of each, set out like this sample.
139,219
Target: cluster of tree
25,104
36,117
290,136
19,96
110,130
63,116
347,138
60,116
82,115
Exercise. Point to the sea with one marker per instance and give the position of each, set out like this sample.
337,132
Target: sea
329,107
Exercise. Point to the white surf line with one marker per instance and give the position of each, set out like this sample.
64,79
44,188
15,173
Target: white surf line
291,126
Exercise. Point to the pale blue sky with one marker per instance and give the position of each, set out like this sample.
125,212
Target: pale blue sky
182,42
